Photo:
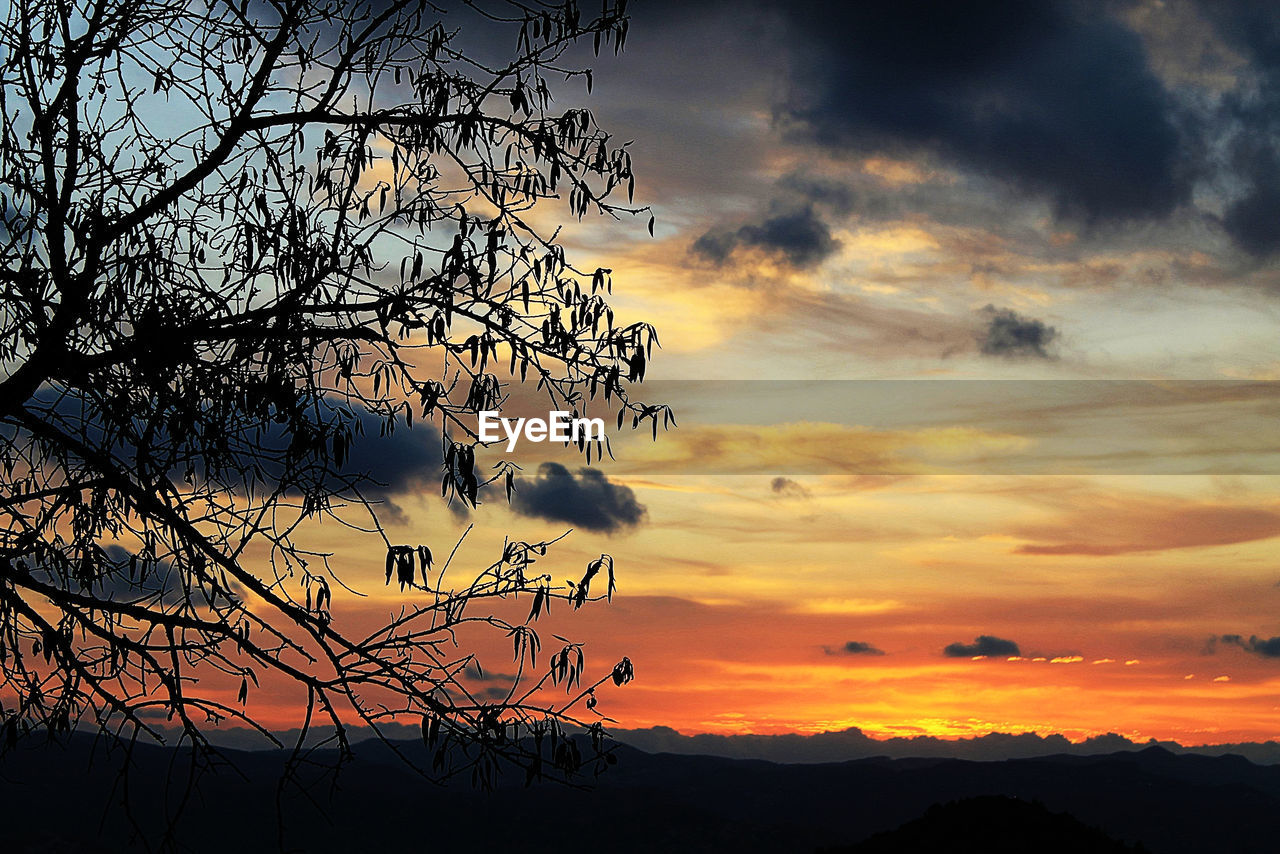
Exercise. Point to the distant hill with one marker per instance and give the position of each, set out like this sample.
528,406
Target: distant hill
853,743
992,825
56,800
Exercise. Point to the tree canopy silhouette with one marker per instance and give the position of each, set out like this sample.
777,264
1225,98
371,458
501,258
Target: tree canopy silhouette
235,232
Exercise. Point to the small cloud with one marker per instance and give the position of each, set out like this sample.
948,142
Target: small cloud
1009,334
797,235
587,499
1132,662
785,486
853,648
1067,659
1222,679
1189,676
1103,661
982,646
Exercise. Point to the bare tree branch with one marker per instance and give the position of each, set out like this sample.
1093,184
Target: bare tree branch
232,231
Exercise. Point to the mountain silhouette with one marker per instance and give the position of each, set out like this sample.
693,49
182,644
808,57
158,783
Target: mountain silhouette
853,743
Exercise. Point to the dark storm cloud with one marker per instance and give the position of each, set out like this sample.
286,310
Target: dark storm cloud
380,462
1249,118
1265,647
1253,220
853,648
1253,28
797,235
380,465
1057,98
1024,102
397,462
982,645
587,499
1008,333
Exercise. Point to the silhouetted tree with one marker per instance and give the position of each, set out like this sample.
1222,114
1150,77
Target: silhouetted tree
234,231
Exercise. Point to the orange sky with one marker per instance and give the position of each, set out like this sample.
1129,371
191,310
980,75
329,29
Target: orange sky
736,602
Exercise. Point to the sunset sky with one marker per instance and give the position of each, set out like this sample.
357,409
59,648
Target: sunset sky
909,204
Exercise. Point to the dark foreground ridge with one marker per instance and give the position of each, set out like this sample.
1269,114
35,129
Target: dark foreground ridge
992,825
53,799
